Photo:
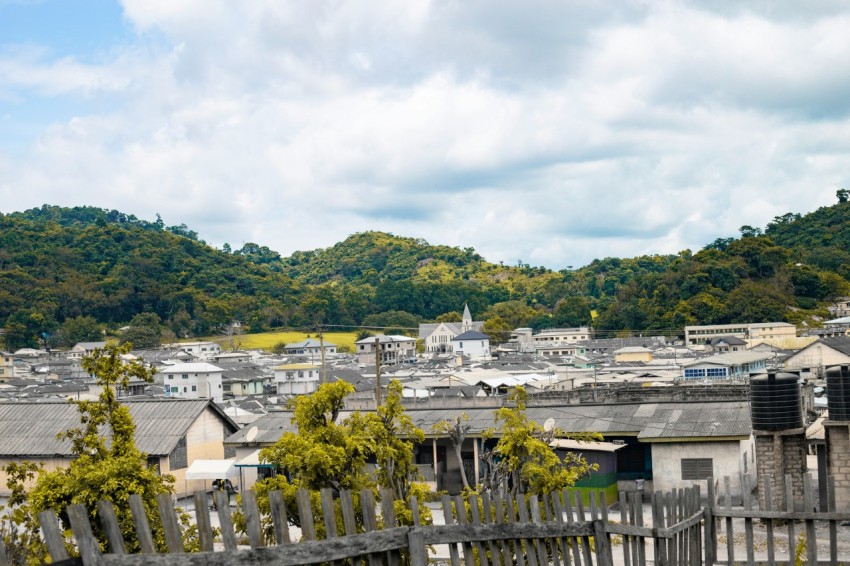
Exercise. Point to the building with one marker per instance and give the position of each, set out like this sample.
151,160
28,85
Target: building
309,347
172,432
297,379
193,380
202,350
437,337
633,354
734,365
472,343
753,333
562,336
812,360
393,349
7,366
82,349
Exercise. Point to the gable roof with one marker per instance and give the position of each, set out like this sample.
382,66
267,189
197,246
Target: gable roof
30,429
471,335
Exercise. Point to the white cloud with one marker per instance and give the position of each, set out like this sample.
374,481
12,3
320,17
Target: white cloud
549,132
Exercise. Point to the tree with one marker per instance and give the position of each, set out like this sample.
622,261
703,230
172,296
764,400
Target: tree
145,331
456,430
843,195
107,464
523,458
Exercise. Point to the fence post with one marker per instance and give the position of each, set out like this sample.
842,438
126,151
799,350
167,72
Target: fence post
106,511
710,533
89,548
603,545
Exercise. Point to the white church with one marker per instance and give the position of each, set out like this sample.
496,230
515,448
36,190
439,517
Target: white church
439,337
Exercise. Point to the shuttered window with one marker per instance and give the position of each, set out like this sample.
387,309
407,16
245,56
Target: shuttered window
697,468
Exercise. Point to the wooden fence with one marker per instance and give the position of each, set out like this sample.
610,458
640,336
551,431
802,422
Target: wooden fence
557,529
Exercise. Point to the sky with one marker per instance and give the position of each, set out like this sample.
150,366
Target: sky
544,132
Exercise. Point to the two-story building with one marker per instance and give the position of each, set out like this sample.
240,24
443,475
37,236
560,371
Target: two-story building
81,349
297,379
393,349
309,347
734,365
753,333
202,350
472,343
560,336
7,366
193,380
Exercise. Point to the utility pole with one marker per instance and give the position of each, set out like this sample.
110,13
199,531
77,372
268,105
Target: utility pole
377,372
324,378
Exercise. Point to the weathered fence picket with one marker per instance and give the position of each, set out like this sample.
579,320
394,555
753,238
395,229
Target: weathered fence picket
557,529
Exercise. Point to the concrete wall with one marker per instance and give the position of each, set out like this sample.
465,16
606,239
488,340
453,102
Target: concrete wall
204,441
50,465
838,461
667,463
778,454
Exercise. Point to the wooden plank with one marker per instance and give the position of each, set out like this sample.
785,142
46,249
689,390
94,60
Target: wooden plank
547,508
417,550
525,547
487,518
624,520
585,541
460,509
170,524
475,514
539,545
52,534
505,513
349,521
86,543
789,506
659,547
202,520
109,522
370,521
710,533
328,512
768,505
252,519
449,519
833,525
280,521
603,546
782,515
730,540
811,534
558,513
639,520
140,521
414,511
388,512
305,514
446,534
225,520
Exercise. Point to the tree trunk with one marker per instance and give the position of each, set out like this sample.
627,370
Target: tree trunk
461,466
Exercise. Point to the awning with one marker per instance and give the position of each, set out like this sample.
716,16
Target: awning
212,470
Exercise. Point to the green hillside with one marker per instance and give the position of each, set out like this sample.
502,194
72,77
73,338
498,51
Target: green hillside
68,274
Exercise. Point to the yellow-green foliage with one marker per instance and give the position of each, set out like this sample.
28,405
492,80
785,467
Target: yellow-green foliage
267,340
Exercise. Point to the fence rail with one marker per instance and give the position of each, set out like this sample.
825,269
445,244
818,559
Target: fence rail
557,529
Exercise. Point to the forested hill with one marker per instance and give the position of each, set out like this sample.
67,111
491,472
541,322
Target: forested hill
69,273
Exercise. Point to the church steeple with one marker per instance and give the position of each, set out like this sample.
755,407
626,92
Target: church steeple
466,321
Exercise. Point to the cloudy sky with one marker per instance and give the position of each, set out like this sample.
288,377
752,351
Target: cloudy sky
552,132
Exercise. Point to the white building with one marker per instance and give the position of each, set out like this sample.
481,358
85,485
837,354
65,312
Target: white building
297,379
309,347
7,366
194,380
472,343
734,365
558,336
82,349
393,349
438,336
201,350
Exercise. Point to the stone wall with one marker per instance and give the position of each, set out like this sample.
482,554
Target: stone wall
838,461
777,454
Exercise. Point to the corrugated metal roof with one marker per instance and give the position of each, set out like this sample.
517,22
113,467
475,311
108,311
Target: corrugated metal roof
30,429
649,421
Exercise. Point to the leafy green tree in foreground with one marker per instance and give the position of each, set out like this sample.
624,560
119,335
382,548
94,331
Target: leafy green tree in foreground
107,464
523,456
329,453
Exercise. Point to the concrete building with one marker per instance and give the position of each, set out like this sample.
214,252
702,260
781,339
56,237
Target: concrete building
562,336
7,366
812,360
393,349
193,380
472,343
297,379
82,349
734,365
754,333
202,350
633,354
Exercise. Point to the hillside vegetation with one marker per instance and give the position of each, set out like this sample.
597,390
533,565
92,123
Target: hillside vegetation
68,274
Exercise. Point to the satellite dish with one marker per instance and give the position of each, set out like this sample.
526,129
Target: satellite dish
549,425
251,434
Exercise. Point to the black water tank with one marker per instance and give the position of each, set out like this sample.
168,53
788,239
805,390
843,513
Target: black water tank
838,393
775,402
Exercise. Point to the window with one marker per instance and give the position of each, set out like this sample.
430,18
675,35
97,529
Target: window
170,377
697,468
185,376
194,388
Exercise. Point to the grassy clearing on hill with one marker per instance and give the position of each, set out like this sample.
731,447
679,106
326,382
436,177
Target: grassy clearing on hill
267,340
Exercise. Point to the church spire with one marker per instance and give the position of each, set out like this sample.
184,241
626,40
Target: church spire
466,321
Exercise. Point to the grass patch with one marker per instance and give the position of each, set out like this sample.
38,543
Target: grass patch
266,340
